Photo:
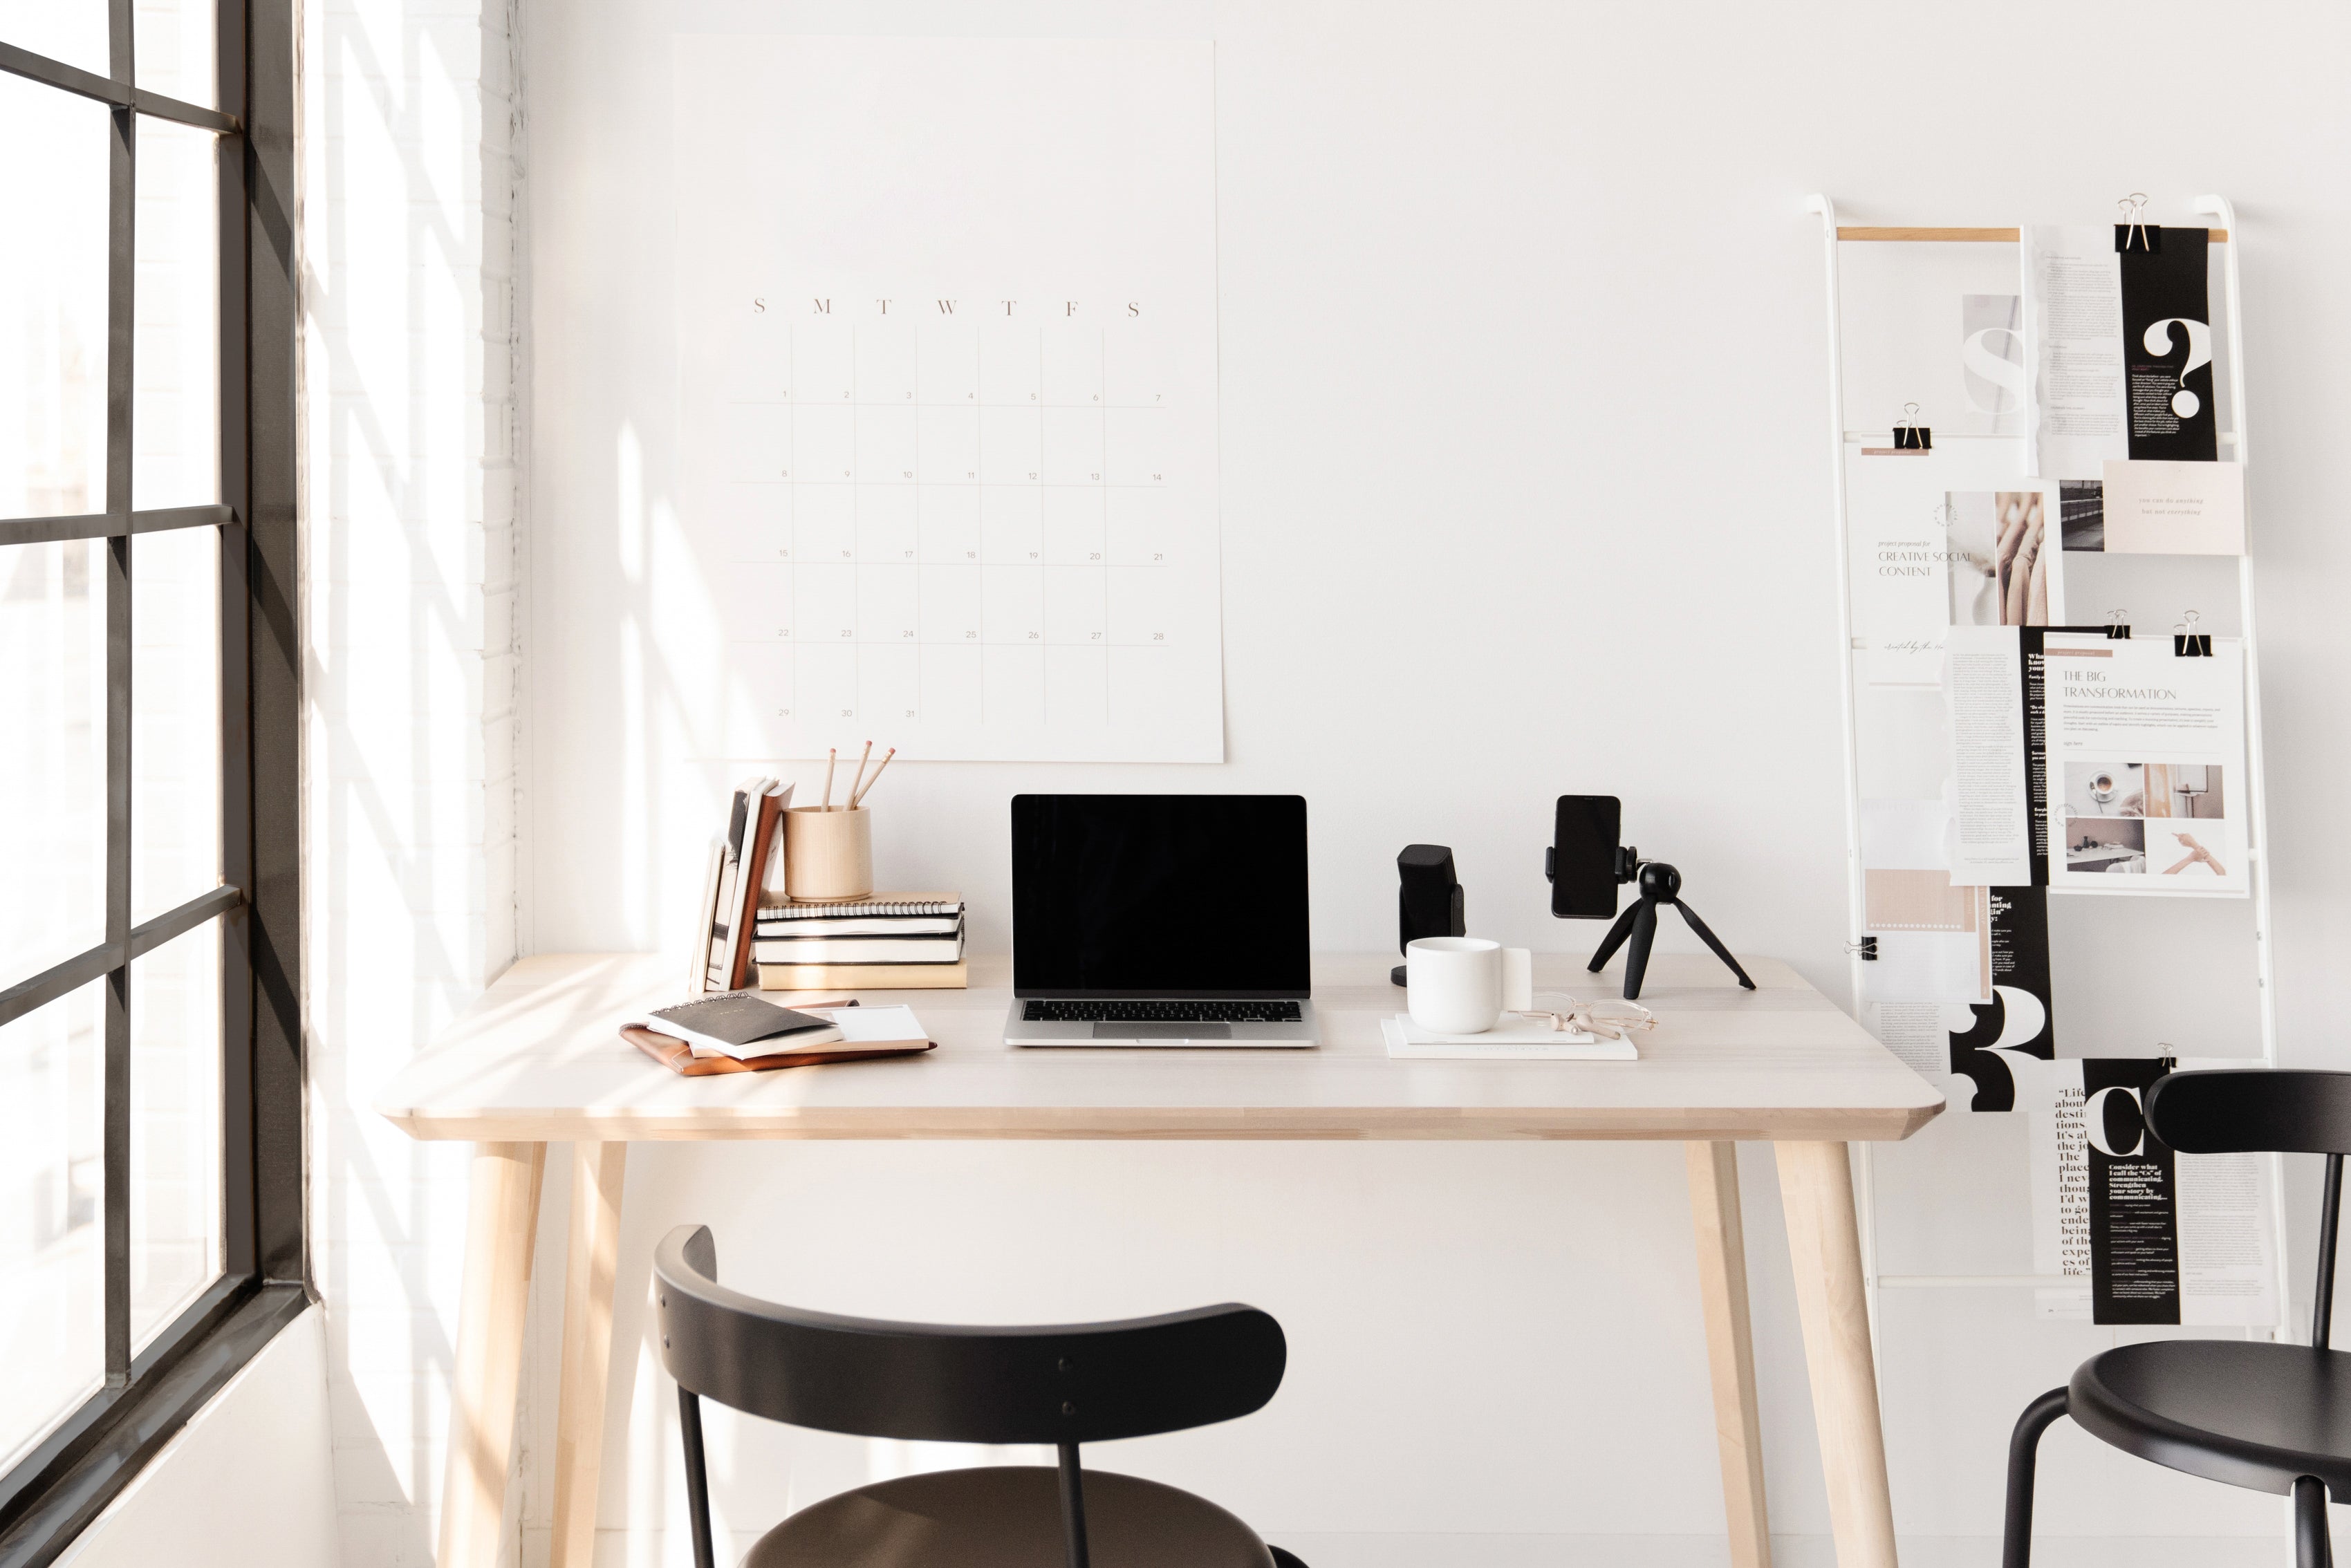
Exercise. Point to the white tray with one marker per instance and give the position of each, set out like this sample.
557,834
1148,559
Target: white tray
1512,1042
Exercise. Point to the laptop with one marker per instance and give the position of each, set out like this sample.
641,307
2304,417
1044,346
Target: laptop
1159,920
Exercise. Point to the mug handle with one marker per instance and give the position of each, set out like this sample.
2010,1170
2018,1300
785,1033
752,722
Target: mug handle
1518,980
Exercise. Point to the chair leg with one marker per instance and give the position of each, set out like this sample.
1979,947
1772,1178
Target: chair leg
1284,1559
697,1477
1073,1507
2023,1453
2313,1548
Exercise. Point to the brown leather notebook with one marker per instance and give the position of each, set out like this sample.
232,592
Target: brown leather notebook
679,1058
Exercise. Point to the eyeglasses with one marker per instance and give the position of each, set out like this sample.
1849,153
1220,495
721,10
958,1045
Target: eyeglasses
1609,1020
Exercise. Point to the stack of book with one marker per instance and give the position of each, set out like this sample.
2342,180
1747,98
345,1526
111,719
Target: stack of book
746,861
907,941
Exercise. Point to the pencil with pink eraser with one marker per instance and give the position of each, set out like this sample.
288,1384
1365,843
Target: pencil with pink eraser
860,773
861,795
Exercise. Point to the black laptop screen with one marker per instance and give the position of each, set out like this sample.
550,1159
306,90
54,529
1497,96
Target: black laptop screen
1159,895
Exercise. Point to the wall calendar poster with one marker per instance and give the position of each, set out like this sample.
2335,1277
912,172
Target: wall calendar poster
946,317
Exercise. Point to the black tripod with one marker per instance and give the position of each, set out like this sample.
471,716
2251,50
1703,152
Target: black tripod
1660,883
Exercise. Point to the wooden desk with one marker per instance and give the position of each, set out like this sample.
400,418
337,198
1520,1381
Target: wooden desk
537,1061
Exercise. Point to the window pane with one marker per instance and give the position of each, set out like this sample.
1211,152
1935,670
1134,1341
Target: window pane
52,732
175,738
52,295
52,1278
73,31
174,44
176,346
175,1128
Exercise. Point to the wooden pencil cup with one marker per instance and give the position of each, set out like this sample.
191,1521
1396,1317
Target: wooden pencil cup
828,854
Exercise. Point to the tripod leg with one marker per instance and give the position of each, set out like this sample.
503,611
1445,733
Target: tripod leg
1636,962
1708,938
1614,940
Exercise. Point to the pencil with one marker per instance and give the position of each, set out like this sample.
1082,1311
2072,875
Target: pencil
860,773
830,758
861,795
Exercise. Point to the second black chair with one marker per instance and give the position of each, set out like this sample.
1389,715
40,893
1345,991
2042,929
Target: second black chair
1065,1385
2271,1418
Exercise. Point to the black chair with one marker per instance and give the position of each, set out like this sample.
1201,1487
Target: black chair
1079,1383
2270,1417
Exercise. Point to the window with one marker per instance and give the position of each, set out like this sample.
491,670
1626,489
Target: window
150,1158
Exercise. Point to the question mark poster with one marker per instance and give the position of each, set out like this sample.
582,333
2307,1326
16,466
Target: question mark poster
2118,349
2168,344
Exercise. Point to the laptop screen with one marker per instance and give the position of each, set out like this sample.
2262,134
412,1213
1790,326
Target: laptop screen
1159,895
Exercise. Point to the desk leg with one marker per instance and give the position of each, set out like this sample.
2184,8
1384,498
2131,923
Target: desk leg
590,1263
1729,1347
1824,1242
501,1223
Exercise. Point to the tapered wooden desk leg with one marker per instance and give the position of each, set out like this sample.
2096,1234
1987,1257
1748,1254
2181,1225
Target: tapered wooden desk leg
501,1223
1729,1348
588,1268
1824,1240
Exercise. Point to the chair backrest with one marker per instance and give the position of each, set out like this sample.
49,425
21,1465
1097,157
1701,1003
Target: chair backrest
1074,1383
2266,1110
2253,1110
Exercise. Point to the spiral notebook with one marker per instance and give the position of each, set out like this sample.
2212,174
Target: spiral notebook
883,903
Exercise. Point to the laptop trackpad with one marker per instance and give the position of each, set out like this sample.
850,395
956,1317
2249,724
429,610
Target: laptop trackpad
1163,1031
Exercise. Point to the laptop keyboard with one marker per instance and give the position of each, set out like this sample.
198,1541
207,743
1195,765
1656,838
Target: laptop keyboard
1071,1011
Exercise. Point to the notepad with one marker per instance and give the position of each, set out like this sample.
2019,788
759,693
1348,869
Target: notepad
1513,1039
740,1024
851,1033
873,1026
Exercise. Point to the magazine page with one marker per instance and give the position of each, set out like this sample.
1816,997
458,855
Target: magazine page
2136,1231
2118,348
1951,537
2147,760
1947,335
2171,508
2019,1018
1983,692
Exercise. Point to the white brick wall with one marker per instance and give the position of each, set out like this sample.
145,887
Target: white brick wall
410,175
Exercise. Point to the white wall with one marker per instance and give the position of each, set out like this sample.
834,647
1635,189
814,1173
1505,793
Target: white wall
409,154
1525,492
252,1462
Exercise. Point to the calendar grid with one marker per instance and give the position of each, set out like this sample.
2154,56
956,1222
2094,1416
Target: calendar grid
948,426
964,523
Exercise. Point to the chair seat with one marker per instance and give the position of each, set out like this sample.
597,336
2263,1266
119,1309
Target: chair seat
2251,1415
1007,1517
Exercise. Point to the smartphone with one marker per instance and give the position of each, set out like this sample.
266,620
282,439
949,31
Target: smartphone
1583,857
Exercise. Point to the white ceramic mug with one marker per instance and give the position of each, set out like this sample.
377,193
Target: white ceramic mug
1460,985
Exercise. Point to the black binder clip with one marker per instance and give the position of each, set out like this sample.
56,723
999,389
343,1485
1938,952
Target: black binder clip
2117,625
1910,436
2168,1063
2186,642
2133,233
1865,949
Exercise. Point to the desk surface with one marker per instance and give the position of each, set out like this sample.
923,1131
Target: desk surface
538,1057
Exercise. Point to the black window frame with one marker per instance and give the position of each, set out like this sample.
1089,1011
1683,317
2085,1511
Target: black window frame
87,1458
